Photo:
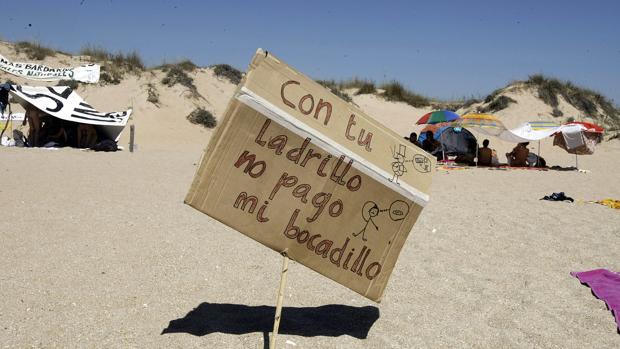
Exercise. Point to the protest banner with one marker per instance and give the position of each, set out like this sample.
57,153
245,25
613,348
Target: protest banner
301,171
34,71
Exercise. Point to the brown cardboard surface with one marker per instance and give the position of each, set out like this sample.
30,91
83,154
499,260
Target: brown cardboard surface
295,93
296,189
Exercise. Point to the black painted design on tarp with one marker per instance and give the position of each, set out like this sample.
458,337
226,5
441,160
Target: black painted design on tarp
64,94
58,102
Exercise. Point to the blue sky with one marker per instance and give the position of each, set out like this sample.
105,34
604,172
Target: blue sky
444,49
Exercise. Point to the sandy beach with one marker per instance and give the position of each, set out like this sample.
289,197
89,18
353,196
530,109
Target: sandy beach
100,251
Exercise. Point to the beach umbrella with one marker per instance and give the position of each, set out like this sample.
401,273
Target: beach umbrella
588,127
438,116
480,120
434,127
579,138
489,124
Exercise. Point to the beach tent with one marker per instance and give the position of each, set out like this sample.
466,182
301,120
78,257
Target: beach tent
64,103
455,141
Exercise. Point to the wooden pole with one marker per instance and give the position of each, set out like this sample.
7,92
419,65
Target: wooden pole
132,132
276,322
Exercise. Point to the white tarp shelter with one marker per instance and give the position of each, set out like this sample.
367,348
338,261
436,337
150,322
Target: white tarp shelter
528,132
64,103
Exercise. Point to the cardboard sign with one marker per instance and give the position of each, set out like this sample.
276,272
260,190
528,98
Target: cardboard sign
303,172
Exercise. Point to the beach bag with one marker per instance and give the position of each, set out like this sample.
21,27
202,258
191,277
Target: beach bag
105,145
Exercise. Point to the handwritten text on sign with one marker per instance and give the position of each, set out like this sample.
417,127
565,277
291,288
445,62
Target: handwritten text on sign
308,158
306,107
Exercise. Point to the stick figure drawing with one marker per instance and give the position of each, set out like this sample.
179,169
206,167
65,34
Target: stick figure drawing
398,210
369,211
420,162
398,166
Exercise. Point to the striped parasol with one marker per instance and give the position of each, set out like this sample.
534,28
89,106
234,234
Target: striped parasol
481,121
543,125
484,123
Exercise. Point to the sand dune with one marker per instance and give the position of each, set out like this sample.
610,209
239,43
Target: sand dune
100,251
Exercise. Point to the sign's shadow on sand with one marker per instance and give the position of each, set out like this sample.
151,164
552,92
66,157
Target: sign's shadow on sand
328,320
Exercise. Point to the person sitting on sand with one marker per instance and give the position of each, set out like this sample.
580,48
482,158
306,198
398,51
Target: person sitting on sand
430,144
35,118
485,154
518,156
86,136
413,138
71,132
53,132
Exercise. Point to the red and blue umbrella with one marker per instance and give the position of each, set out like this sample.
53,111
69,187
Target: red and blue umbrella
437,117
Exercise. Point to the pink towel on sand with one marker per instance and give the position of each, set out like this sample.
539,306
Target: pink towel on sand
605,285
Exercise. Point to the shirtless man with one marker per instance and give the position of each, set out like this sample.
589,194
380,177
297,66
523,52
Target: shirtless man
54,131
485,154
35,122
86,136
518,156
413,138
430,144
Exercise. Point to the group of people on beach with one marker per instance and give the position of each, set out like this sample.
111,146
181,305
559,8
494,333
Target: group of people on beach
516,158
429,144
486,156
46,130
